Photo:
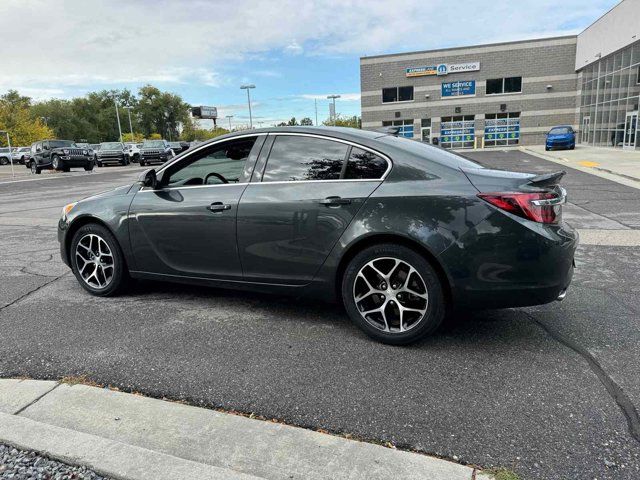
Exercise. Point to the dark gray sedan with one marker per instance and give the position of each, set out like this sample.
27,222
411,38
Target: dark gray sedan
399,231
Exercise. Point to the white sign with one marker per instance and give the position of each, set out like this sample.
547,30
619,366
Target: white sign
463,67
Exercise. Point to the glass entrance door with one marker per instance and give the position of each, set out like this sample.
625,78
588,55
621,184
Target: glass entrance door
630,133
586,121
426,134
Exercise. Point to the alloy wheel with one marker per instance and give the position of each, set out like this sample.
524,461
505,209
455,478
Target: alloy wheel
390,295
94,261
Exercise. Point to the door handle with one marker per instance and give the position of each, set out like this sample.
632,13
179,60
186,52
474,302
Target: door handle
335,201
219,207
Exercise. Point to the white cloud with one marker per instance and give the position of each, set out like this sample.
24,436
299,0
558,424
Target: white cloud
81,43
344,97
294,48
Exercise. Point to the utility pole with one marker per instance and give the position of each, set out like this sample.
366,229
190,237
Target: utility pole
229,117
118,117
315,101
333,112
10,153
130,125
248,87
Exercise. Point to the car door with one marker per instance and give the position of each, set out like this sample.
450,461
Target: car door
186,227
45,154
292,215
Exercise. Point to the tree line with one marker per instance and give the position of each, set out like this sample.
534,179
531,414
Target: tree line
92,118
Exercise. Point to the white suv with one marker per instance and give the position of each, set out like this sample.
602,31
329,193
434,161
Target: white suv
134,151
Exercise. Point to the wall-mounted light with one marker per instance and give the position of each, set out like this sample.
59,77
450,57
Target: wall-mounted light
549,87
427,96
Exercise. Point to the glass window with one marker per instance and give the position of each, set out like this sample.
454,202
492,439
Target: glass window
389,95
295,158
363,165
494,85
397,94
512,84
405,94
221,163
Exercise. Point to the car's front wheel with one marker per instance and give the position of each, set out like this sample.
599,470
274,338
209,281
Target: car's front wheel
393,294
97,262
34,167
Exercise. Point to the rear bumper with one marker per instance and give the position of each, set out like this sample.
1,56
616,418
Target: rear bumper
522,263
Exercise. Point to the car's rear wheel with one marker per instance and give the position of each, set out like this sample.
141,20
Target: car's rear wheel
97,262
34,167
4,161
393,294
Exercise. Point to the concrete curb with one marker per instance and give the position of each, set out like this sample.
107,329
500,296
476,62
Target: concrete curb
127,436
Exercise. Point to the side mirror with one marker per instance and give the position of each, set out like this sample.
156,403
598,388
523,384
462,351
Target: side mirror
148,179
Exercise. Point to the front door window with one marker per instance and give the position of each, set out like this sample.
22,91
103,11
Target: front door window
630,130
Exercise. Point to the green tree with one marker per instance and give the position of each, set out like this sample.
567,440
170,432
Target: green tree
293,122
306,121
340,121
18,120
161,112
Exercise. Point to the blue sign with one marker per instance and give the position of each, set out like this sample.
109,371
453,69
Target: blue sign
459,88
442,69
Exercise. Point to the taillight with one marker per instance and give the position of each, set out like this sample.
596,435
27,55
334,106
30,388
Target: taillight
541,207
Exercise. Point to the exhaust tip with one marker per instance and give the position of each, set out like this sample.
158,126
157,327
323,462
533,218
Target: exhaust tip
561,295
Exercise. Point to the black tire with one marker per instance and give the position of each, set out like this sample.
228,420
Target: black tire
56,163
4,161
88,167
136,158
99,164
35,169
435,304
142,163
546,148
120,277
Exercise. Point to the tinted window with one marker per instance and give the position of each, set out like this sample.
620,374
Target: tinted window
494,85
512,84
389,95
212,165
405,94
295,158
363,164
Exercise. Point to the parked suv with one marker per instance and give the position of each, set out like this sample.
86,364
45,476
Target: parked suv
5,156
21,155
59,155
112,152
134,151
155,151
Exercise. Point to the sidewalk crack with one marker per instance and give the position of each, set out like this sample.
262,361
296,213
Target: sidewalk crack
623,401
37,399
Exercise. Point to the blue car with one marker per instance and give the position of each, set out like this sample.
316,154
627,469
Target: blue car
561,137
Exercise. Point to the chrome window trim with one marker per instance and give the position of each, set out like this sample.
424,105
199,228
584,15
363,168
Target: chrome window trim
190,187
339,140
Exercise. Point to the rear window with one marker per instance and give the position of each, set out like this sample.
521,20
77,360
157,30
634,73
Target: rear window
431,152
296,158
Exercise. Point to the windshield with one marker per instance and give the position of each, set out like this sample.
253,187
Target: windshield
559,131
153,144
110,146
61,143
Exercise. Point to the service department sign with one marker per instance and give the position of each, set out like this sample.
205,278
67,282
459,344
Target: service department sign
442,69
459,89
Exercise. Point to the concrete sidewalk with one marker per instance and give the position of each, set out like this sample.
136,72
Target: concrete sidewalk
125,436
622,166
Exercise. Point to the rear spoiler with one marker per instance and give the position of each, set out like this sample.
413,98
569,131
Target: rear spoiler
547,179
389,131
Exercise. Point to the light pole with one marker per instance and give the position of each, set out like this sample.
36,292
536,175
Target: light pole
6,132
315,102
248,87
118,117
130,125
229,117
333,97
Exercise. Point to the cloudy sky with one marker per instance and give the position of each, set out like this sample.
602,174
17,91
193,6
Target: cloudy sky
294,51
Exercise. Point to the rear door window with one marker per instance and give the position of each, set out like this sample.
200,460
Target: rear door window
296,158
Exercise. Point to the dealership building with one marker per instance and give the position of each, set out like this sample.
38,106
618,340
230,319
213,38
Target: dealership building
512,93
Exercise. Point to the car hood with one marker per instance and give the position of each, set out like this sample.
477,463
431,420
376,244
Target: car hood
118,191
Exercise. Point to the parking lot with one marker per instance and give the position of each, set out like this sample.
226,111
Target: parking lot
550,391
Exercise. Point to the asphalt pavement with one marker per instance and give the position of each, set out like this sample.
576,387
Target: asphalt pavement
550,392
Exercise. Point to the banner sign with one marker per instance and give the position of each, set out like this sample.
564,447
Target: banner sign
442,69
457,131
459,88
502,129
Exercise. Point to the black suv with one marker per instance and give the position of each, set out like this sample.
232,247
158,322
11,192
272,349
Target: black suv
59,155
155,151
112,152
